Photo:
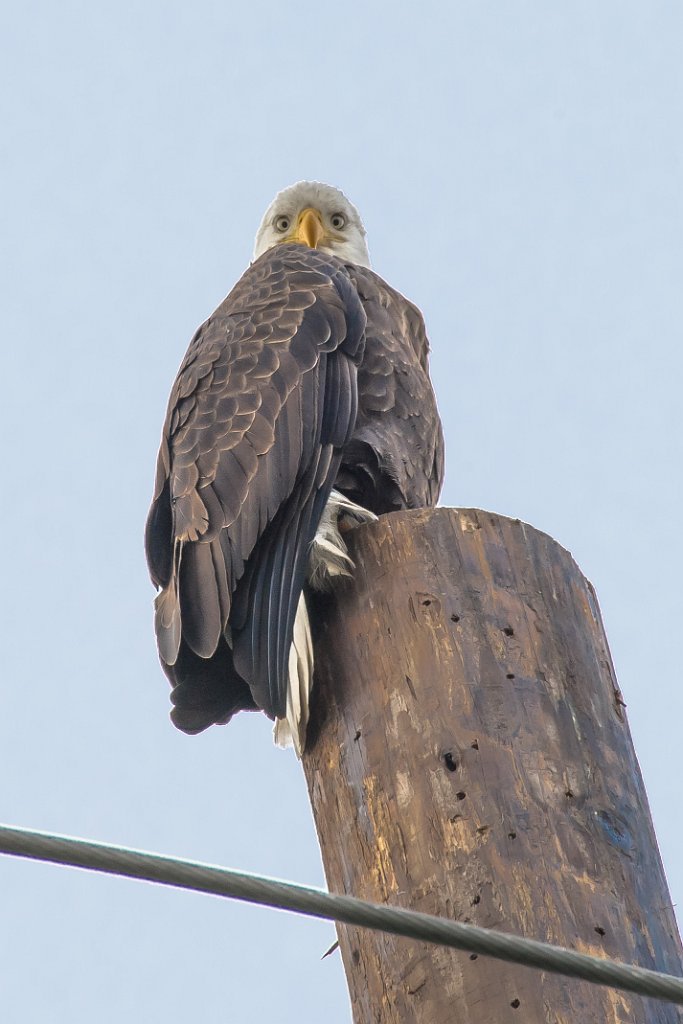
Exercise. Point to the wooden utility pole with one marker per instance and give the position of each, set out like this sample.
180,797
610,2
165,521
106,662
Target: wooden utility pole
469,756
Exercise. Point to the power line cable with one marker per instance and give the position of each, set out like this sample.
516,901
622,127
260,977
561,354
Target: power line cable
237,885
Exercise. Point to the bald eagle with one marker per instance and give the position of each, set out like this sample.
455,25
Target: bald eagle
302,407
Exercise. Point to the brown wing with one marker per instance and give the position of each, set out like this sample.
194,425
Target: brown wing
263,404
395,458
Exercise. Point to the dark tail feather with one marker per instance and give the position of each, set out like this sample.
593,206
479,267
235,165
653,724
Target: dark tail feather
206,691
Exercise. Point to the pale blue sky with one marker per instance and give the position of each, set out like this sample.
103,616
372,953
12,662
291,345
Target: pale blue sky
518,166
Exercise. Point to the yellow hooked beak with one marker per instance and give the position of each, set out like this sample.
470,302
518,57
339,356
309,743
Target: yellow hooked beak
309,228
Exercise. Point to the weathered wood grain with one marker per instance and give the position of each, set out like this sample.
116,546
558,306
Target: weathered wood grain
469,756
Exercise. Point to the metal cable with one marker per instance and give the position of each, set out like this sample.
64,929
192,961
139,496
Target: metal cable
315,903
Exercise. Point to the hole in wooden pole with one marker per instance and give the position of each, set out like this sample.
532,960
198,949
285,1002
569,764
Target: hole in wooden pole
450,762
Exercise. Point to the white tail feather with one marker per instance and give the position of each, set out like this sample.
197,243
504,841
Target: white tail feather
328,559
290,731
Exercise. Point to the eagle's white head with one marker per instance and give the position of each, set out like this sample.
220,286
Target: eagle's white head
317,215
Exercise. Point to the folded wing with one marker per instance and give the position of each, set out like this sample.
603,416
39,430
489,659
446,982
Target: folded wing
264,403
395,458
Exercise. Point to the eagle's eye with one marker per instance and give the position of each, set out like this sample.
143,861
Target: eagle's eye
282,223
338,221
